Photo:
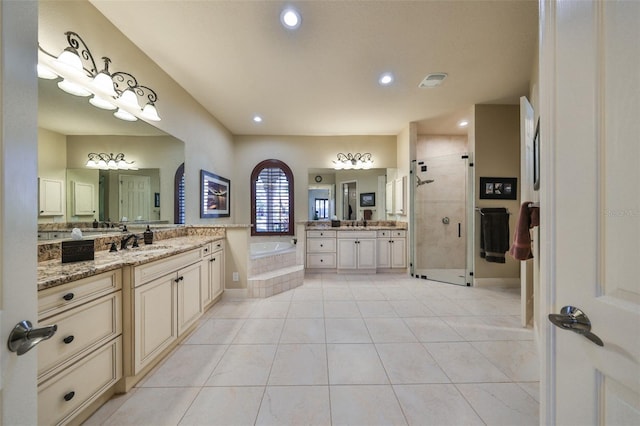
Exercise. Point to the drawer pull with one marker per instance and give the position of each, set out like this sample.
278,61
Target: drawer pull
218,245
321,260
321,245
68,339
69,396
206,250
68,296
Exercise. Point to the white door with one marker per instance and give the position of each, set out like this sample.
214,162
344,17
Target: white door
18,201
135,197
590,206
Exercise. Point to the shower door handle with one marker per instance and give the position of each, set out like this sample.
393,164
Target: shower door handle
459,230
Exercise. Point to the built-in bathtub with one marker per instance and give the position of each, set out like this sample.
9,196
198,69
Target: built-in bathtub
272,268
270,248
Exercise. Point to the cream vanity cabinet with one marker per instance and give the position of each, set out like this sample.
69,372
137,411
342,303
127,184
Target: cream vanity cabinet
164,301
392,249
83,361
50,197
321,249
356,250
213,284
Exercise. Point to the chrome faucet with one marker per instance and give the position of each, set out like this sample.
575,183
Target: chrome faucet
125,241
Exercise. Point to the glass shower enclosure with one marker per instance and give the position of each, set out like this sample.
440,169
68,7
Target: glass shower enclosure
441,223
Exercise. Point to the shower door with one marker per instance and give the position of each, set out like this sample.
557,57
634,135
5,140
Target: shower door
440,218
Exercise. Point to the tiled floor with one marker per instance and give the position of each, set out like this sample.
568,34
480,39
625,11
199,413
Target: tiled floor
347,349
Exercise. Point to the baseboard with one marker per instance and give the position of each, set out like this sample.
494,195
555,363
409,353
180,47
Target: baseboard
234,293
496,282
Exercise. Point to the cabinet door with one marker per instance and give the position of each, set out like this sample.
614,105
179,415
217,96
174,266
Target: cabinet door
399,253
189,281
155,319
216,273
384,253
366,254
347,253
50,197
83,197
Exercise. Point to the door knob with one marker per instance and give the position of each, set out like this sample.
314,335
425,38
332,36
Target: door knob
23,337
572,318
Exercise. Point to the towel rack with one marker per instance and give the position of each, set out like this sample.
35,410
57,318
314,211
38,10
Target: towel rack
479,210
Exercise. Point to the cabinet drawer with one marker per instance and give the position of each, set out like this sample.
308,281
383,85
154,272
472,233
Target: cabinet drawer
356,234
211,248
65,394
321,234
153,270
392,233
54,300
80,329
325,260
321,245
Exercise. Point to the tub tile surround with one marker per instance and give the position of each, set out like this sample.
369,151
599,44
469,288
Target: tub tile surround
272,274
271,364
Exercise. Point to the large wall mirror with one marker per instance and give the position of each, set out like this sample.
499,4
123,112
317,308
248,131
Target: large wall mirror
69,128
338,193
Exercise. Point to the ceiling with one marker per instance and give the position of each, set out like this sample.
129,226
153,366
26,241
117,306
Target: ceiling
236,59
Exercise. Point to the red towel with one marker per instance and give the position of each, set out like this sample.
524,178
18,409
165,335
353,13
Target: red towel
527,219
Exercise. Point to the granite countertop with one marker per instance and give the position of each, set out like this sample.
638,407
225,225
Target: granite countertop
354,228
52,273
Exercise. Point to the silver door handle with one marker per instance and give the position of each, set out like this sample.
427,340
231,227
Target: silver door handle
572,318
23,337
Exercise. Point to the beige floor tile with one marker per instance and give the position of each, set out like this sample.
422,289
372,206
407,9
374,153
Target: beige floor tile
464,364
517,359
362,293
306,309
224,406
435,404
376,309
154,407
411,309
260,331
271,309
215,331
355,364
337,309
300,364
407,363
295,405
365,405
483,328
303,330
337,293
188,366
501,403
347,330
307,293
432,330
389,330
243,365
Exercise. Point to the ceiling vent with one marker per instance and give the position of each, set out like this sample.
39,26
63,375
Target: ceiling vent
432,80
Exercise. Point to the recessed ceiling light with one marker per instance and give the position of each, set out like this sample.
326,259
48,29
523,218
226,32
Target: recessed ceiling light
463,123
290,18
257,119
386,79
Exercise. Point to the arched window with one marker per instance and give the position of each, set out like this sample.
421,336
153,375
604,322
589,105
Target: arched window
178,203
272,199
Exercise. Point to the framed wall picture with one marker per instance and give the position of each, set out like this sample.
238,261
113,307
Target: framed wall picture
498,188
215,193
368,199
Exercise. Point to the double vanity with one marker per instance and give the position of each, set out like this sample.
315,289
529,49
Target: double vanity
118,316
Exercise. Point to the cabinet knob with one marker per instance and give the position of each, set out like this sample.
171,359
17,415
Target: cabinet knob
68,296
321,245
212,259
68,339
321,260
69,396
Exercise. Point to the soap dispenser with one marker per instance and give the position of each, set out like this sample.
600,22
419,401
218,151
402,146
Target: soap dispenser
95,223
148,236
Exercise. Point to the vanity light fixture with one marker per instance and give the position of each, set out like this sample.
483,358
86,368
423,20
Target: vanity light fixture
80,76
106,161
353,161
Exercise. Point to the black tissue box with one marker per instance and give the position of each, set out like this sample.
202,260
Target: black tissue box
335,224
77,250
